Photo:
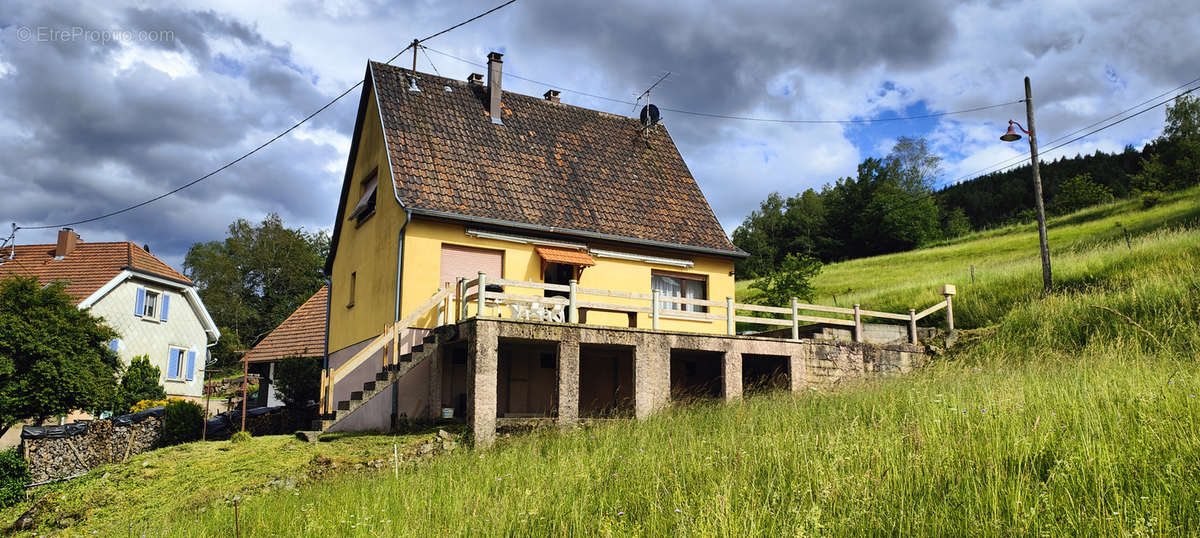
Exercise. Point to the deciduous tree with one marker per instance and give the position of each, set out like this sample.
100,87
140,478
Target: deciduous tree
54,357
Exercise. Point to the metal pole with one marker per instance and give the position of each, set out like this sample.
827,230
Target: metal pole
207,400
245,386
1047,282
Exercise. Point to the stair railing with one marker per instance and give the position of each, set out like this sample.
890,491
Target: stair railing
388,341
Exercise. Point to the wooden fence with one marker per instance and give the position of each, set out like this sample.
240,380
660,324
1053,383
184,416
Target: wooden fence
474,292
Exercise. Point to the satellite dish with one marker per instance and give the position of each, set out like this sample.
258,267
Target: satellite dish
650,116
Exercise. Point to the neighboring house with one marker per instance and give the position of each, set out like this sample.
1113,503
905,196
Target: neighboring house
302,334
155,309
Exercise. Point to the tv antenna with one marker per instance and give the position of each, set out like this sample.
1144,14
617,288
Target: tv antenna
650,115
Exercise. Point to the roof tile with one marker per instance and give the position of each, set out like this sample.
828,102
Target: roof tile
550,164
87,268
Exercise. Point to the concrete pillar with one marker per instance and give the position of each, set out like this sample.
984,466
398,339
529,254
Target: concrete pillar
482,363
798,366
651,375
568,381
733,375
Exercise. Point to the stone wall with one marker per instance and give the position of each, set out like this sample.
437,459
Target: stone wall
66,451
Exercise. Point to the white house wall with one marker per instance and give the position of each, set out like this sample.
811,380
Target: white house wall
154,338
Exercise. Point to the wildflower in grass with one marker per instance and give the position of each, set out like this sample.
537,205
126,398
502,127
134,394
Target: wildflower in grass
984,410
620,513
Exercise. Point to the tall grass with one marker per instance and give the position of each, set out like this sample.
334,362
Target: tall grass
1055,416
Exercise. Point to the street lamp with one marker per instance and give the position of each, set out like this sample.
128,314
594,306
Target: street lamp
1012,136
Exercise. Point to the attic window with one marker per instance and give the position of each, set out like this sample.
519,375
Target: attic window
366,203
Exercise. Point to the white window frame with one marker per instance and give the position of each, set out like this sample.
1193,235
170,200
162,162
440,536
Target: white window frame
150,307
682,279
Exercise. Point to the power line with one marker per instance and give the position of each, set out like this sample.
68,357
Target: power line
931,194
1024,155
735,117
264,144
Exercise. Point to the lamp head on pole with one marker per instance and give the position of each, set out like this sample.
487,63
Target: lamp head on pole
1011,135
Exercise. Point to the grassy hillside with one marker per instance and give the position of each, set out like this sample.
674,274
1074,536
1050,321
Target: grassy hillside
1056,416
185,481
1006,261
1053,416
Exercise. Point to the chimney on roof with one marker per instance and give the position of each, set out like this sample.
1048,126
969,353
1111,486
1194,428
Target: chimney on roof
495,66
476,79
67,240
552,96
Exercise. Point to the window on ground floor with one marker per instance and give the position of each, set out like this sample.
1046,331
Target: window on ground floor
684,285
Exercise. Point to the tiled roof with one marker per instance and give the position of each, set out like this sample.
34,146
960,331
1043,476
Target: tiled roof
88,267
565,255
549,165
302,334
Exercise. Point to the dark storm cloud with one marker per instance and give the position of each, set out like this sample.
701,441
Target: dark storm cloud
88,127
103,129
722,58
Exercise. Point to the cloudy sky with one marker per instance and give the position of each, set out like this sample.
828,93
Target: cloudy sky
103,107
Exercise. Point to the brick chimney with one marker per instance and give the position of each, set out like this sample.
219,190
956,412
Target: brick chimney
495,66
67,239
476,79
552,96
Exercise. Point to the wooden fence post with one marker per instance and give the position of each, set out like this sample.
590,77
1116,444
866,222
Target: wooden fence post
912,326
460,291
654,307
572,306
948,291
482,293
795,318
729,315
324,383
858,329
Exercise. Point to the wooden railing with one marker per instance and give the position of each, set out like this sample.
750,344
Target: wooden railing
474,293
388,341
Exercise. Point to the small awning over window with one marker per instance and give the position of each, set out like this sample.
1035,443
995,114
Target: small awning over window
565,256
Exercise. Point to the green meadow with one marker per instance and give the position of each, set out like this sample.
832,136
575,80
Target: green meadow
1069,414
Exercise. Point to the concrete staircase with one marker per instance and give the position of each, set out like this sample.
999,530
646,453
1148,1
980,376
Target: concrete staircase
371,389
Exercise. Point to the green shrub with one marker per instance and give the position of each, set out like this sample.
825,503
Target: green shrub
239,437
14,476
1151,199
182,422
139,383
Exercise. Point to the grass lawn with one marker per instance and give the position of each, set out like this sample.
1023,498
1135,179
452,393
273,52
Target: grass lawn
190,480
1072,414
1053,416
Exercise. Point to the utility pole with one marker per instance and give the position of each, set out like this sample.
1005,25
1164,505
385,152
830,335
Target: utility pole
1012,136
1047,282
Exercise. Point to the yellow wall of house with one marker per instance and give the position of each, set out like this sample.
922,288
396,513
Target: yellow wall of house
368,250
422,267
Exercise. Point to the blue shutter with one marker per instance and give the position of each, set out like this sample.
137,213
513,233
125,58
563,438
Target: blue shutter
173,365
191,366
114,345
140,306
166,302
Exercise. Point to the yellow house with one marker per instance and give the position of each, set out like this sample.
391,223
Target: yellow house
448,178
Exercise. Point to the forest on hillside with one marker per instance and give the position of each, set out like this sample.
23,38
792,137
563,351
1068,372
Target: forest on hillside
892,203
